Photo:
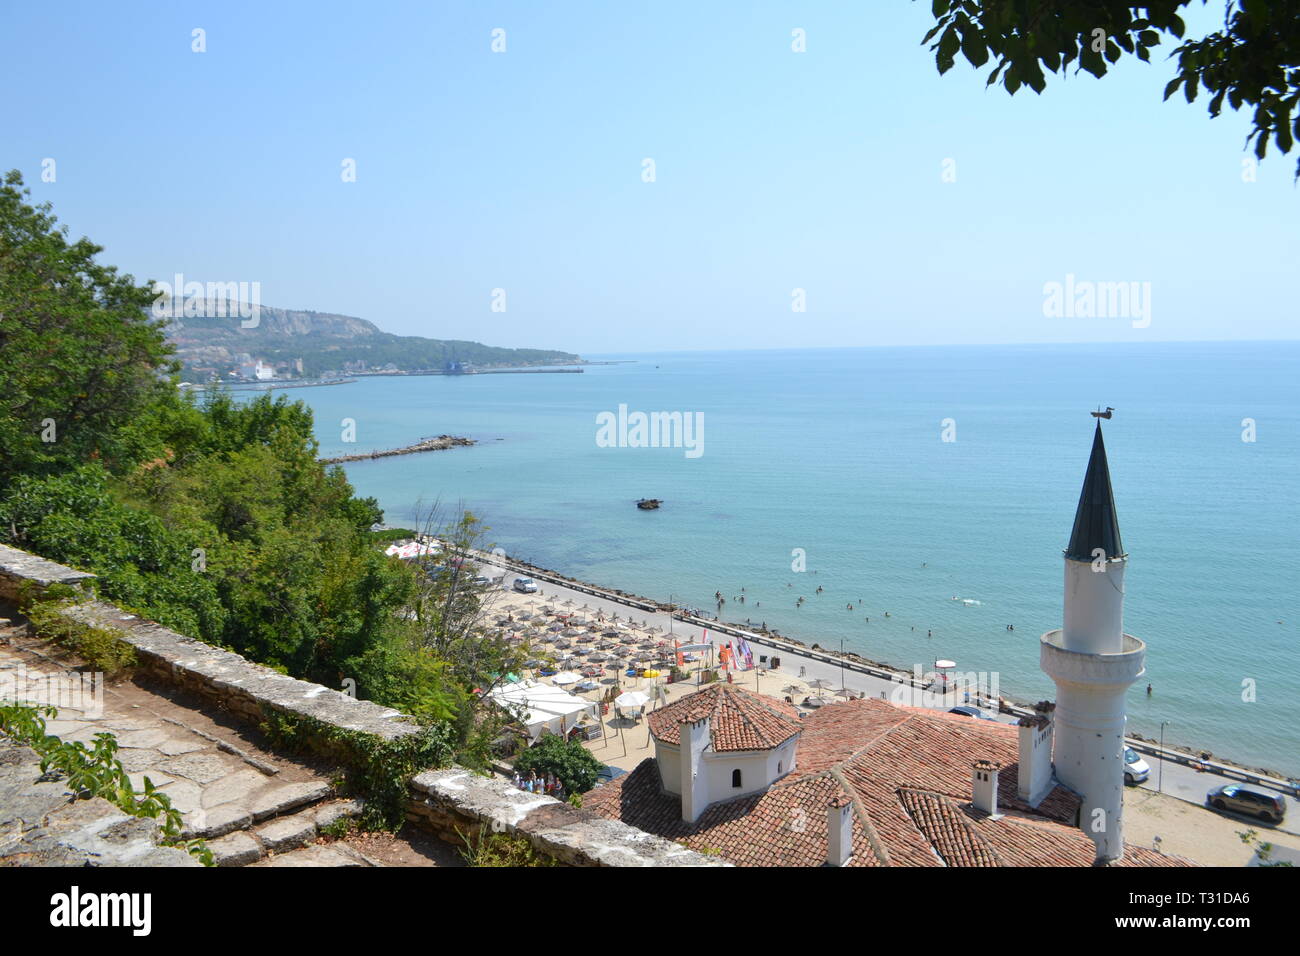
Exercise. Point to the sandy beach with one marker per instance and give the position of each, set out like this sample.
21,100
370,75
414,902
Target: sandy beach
1176,813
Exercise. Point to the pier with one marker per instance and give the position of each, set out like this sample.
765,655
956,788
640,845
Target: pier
440,443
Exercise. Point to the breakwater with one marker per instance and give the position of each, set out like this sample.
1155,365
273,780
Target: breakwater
440,443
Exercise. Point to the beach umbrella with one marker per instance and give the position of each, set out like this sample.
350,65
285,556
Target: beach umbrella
819,683
632,698
566,677
844,692
792,689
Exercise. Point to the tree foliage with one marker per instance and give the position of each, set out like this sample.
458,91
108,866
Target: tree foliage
214,516
80,358
575,766
1253,61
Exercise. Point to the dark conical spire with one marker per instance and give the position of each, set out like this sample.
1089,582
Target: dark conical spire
1095,524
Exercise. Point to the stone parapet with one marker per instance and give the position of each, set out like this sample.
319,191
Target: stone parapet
455,805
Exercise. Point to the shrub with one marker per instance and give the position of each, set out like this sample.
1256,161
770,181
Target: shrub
577,768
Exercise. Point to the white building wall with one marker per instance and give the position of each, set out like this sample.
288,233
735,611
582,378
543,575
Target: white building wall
758,769
1094,606
1089,731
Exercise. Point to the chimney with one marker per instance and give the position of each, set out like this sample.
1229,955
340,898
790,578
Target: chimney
694,779
984,787
1034,776
839,832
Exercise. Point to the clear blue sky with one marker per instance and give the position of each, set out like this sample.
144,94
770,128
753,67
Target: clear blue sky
522,170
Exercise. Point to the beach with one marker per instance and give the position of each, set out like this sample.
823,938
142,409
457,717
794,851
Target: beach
1169,804
889,518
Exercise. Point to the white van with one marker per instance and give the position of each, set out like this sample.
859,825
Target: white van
525,585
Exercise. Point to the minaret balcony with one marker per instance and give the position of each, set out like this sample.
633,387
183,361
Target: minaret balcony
1096,670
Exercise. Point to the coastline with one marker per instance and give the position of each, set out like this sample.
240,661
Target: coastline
815,653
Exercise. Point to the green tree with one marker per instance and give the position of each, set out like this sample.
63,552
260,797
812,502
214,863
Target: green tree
1253,61
80,357
575,766
215,517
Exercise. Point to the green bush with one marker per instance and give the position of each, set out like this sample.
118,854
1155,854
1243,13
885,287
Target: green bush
577,768
99,647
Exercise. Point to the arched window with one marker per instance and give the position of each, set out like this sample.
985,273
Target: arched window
735,778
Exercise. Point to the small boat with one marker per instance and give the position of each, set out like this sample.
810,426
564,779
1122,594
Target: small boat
648,504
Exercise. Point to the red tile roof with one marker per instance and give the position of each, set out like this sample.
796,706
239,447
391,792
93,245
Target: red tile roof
907,773
738,719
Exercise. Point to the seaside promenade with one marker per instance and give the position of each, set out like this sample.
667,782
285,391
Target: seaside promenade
626,744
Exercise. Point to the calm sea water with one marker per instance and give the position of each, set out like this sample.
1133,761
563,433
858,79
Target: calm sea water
839,452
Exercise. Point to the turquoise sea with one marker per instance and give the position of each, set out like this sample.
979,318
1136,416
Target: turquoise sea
840,453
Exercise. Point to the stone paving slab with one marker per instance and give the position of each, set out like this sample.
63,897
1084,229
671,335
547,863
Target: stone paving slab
42,825
216,791
335,854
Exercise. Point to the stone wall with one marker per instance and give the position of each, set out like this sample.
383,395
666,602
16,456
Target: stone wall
442,801
17,568
456,804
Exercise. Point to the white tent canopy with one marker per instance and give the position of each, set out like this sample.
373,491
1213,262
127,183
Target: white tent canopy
410,550
543,707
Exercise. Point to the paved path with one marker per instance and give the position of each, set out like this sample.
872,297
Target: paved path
252,804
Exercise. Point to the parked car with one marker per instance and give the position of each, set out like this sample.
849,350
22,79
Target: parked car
525,585
1135,768
608,773
1248,802
966,711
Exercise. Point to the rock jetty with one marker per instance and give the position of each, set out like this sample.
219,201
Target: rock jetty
424,444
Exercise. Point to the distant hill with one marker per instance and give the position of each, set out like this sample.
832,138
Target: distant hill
327,342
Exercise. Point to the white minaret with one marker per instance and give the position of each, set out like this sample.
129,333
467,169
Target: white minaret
1093,662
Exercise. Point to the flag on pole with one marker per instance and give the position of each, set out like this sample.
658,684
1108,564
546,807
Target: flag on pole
746,654
681,658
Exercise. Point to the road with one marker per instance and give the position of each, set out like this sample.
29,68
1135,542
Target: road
1177,779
